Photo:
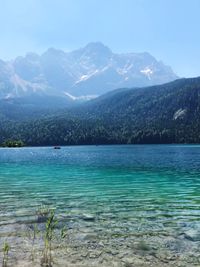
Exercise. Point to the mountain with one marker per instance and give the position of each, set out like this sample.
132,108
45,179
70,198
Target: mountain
32,106
167,113
81,74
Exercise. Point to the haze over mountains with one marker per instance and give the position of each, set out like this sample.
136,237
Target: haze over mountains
81,74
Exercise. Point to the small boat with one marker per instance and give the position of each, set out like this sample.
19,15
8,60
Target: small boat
57,147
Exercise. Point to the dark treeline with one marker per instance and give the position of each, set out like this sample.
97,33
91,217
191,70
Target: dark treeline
74,132
167,113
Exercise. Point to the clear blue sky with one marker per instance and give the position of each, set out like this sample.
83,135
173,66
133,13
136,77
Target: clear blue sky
168,29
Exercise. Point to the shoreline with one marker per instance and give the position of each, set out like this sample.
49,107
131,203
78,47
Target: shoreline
99,145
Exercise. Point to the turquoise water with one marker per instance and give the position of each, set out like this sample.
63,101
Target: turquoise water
109,198
139,188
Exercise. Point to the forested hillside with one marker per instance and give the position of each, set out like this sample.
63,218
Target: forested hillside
168,113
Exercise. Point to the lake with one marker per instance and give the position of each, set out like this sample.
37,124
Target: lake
121,205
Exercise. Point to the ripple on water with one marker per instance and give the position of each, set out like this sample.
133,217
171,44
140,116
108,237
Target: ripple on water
128,187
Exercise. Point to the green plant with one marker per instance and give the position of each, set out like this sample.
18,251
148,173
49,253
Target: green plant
63,232
42,214
33,236
6,249
48,237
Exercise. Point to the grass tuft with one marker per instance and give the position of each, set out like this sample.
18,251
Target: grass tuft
5,249
49,234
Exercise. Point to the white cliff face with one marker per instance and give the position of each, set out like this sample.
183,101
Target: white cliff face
92,70
179,114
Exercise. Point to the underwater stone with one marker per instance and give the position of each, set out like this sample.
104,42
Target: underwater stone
193,235
88,217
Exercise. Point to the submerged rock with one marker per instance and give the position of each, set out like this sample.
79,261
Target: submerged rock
88,217
193,235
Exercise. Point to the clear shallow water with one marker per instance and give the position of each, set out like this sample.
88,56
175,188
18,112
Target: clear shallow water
153,188
110,198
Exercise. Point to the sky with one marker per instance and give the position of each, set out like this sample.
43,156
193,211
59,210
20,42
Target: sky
168,29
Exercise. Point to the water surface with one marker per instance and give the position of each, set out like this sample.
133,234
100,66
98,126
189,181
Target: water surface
124,190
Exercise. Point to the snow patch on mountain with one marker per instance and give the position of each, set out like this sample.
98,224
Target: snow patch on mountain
78,98
89,71
148,72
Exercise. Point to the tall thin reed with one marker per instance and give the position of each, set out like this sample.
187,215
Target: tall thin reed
6,249
50,226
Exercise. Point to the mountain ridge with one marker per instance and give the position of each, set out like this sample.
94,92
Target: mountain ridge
89,71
